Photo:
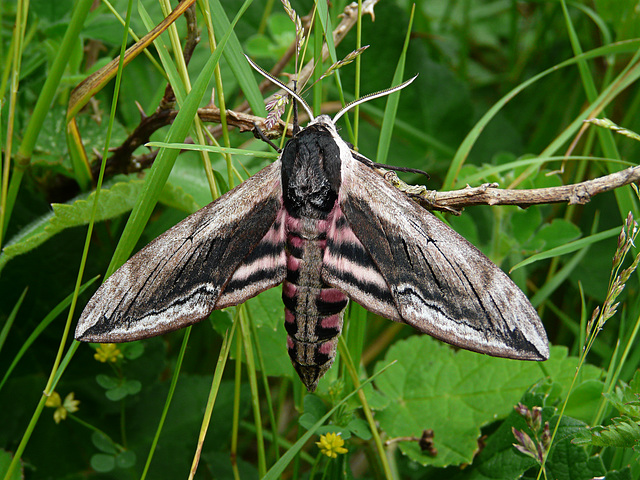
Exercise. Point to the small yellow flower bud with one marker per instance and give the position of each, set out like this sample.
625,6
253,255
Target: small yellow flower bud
331,445
69,405
107,352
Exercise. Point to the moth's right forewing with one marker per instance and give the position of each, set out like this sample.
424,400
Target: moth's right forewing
178,278
441,284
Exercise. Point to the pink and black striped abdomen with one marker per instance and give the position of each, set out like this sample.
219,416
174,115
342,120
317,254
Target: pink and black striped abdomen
313,309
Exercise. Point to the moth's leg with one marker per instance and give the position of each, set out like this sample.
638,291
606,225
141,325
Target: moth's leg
258,133
401,169
372,164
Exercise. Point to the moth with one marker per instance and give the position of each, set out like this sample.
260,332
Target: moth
323,223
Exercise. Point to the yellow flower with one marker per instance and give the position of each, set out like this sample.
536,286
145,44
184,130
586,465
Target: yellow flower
107,352
70,405
331,445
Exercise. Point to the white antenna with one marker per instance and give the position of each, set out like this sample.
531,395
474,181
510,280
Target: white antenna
307,108
273,79
371,96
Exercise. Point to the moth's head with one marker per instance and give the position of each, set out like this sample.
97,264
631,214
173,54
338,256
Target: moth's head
326,122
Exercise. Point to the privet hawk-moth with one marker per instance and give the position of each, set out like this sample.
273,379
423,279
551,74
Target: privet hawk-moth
324,224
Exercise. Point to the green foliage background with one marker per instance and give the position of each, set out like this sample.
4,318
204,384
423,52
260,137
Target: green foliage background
471,55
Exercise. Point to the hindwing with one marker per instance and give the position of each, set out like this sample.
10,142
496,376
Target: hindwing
348,266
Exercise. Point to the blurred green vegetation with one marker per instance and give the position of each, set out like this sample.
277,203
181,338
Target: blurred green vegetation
502,90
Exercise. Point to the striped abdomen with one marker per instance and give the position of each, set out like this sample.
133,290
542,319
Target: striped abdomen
313,310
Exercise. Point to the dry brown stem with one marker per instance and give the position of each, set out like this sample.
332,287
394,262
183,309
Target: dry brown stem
489,193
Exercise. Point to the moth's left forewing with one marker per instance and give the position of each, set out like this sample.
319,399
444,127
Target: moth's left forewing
442,285
223,254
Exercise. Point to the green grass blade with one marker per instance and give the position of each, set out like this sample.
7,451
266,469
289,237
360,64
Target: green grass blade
167,403
166,60
159,172
10,319
247,342
277,470
327,29
213,393
46,321
626,201
568,247
51,85
632,46
215,149
234,56
355,334
391,110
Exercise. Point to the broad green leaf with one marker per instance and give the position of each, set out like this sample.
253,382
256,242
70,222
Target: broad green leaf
499,459
103,463
126,459
525,222
132,350
314,410
360,428
126,388
260,46
107,381
133,386
626,398
623,433
282,35
5,461
457,393
52,11
550,235
103,443
622,474
53,151
570,462
114,201
584,400
116,394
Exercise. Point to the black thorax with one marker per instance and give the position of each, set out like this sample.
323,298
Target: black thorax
311,173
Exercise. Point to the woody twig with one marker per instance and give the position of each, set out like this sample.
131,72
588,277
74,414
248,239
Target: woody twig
489,193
